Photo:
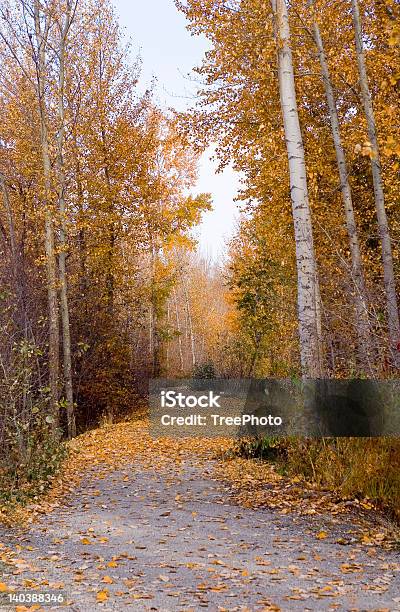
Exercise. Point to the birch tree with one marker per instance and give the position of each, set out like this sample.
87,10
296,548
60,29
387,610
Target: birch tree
365,352
179,331
305,255
64,27
384,233
40,41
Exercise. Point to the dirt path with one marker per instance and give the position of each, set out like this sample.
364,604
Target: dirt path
169,538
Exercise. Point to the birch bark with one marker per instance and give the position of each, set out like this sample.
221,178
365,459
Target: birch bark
178,327
305,255
384,233
65,319
41,35
365,344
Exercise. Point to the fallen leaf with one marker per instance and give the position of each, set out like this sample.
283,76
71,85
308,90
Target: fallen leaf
163,578
102,595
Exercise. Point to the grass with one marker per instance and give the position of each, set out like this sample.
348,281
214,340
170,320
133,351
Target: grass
364,468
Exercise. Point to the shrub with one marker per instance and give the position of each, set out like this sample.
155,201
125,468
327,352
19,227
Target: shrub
204,371
29,451
267,447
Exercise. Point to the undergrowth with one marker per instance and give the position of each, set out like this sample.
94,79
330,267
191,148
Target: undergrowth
353,467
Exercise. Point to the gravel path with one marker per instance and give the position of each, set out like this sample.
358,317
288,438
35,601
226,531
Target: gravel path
170,539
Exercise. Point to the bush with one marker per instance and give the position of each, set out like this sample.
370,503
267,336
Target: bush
267,448
30,452
204,371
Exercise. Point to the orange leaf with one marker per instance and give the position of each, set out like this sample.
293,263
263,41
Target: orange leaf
102,595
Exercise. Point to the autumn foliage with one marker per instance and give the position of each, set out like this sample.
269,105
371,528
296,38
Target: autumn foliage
100,288
95,196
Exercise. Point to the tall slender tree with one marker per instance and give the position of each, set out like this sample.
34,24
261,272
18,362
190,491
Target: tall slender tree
365,345
384,232
64,26
305,254
40,44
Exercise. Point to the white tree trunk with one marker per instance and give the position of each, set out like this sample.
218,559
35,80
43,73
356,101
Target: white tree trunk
190,322
305,255
178,327
51,264
365,345
387,257
65,320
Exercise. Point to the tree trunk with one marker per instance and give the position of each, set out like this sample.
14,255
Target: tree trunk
83,283
365,344
178,327
65,321
305,256
155,343
387,257
190,323
51,264
167,343
318,314
17,271
110,282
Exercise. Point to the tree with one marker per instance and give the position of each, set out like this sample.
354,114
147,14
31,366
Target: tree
365,352
64,26
305,256
387,256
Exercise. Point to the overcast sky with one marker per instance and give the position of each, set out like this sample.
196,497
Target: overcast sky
157,31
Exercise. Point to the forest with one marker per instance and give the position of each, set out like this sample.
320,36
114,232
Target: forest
102,287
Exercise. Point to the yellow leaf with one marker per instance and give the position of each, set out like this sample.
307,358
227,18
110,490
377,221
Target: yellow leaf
108,580
3,587
102,595
85,541
322,535
112,564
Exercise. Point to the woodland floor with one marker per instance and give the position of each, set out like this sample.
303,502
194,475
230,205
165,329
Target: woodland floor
163,525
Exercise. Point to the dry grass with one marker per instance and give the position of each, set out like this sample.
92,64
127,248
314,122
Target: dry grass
354,467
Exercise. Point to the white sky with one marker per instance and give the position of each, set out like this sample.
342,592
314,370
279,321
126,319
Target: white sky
168,51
